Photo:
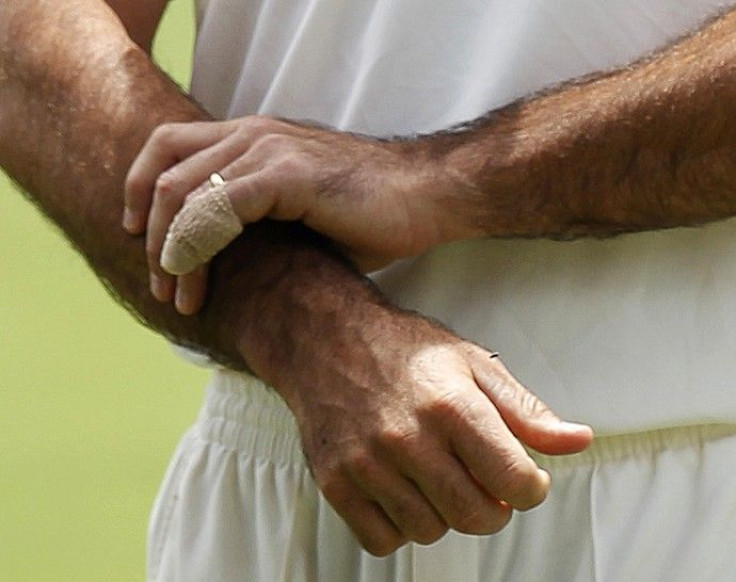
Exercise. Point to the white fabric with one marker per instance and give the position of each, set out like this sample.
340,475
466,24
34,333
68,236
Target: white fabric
628,334
239,505
631,334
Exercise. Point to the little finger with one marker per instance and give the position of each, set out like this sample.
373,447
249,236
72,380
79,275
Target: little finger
456,494
403,502
370,524
167,201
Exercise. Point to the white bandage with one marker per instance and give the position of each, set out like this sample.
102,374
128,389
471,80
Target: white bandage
205,225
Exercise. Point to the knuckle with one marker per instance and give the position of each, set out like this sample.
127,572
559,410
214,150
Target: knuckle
535,495
532,406
477,522
484,516
167,185
511,391
165,133
418,521
470,523
381,546
292,163
407,517
255,124
362,464
449,407
520,484
500,521
444,405
430,533
508,390
468,515
273,143
255,128
396,438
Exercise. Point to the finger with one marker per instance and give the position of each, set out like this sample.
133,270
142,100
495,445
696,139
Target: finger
191,290
404,504
191,175
493,455
530,419
204,225
370,524
167,200
455,494
210,220
168,145
366,262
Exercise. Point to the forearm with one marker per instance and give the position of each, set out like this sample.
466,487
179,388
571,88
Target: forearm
392,408
77,102
646,147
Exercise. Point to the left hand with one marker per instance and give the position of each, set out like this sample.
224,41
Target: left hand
377,199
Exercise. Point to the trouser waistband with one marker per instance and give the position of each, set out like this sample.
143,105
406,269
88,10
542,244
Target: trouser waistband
242,413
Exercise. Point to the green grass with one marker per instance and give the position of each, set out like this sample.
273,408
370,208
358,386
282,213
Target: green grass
91,403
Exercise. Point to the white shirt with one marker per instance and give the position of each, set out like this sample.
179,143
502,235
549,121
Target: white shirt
627,334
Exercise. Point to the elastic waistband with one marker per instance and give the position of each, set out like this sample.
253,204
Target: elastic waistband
243,413
615,447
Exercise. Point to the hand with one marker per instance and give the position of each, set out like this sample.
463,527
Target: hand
374,198
410,430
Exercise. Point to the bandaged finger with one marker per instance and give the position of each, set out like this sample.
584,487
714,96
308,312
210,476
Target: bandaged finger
204,226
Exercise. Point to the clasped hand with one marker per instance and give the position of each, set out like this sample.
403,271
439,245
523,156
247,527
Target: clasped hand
409,429
374,198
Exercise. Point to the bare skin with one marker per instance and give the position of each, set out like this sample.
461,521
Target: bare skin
78,99
650,146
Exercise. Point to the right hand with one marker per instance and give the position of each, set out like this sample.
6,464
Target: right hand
411,431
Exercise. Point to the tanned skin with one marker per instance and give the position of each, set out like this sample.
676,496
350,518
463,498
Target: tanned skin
409,429
649,146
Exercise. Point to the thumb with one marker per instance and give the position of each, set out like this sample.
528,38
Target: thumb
530,419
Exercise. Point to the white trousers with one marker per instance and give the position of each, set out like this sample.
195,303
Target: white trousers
239,505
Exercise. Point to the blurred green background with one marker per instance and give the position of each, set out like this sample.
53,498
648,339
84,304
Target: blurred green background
91,403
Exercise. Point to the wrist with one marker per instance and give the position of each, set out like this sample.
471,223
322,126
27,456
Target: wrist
482,176
286,313
502,168
436,189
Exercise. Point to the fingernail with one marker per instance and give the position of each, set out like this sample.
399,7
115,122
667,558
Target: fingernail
545,476
158,288
183,302
574,425
131,221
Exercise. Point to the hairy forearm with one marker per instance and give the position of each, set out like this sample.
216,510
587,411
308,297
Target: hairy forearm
77,101
650,146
